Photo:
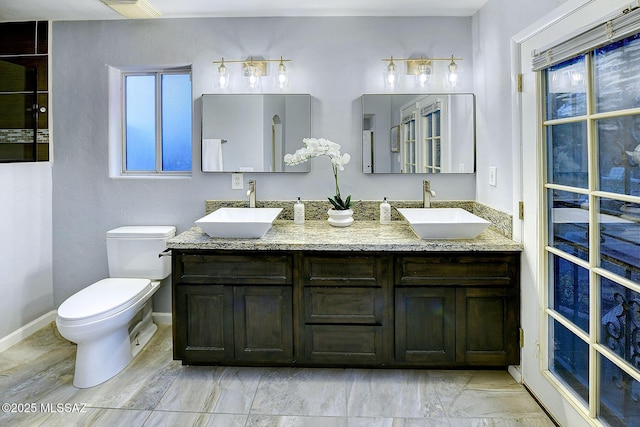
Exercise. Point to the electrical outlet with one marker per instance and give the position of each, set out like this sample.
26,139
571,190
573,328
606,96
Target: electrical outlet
493,176
236,181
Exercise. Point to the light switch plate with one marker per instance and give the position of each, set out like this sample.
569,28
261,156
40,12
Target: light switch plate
493,176
236,181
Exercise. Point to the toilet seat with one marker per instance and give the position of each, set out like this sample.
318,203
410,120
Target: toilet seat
103,299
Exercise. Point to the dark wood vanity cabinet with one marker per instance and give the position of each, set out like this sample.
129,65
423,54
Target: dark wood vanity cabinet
346,309
232,308
343,309
457,309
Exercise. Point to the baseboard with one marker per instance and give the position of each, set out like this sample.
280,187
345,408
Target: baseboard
162,318
516,373
28,329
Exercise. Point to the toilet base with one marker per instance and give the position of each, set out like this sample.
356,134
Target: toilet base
100,360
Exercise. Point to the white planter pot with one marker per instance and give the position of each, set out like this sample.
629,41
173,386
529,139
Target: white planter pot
340,218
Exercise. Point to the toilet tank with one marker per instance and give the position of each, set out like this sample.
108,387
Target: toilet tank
133,251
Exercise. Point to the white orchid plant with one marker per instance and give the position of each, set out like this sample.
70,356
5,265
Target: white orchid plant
316,147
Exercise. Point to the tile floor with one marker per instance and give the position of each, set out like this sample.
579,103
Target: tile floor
36,376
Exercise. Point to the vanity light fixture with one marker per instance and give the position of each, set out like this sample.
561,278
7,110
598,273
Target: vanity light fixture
422,69
252,71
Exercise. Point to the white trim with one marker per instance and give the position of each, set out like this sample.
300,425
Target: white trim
162,318
27,330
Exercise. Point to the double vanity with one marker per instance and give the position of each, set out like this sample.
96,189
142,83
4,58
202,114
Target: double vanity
368,295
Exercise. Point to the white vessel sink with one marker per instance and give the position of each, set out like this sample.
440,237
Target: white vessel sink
240,223
444,223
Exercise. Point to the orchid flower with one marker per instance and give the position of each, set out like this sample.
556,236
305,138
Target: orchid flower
316,147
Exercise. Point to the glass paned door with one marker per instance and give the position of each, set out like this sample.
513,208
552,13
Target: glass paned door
592,184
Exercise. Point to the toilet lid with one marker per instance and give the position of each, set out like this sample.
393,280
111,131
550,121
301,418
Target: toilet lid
103,296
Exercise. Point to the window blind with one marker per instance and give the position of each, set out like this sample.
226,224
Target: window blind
615,28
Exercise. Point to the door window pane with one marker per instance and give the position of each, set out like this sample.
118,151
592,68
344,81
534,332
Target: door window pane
569,359
140,123
619,396
568,154
570,297
617,75
566,89
619,161
620,320
619,239
569,223
176,122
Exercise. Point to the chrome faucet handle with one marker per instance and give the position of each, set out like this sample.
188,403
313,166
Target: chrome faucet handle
252,193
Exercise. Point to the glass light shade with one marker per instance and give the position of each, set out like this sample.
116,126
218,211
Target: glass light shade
251,76
453,74
423,78
282,77
222,80
391,76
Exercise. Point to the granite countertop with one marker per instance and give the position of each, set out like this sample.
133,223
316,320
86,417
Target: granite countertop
319,235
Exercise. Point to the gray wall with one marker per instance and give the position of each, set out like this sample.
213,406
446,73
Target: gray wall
336,60
493,27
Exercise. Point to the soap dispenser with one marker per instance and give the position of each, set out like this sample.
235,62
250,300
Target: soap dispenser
385,212
298,212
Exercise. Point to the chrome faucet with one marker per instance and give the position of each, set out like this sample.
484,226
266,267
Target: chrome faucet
252,194
427,194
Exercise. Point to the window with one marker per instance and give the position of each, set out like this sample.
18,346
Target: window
591,128
432,137
157,123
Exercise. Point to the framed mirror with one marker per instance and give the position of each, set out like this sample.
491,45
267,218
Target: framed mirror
253,132
418,133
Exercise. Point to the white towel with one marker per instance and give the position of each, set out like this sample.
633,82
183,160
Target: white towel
212,155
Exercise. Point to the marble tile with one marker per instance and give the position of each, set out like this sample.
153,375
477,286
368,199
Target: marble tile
295,421
182,419
155,390
194,389
392,393
294,391
236,389
483,394
398,422
227,420
501,422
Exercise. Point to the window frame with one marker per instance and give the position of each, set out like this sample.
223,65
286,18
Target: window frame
157,73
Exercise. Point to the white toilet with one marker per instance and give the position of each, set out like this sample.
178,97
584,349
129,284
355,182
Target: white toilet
110,320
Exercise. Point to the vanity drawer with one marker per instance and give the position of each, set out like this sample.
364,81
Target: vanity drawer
236,269
343,305
342,270
489,269
343,344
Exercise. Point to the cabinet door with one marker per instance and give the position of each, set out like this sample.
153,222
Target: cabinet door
425,325
263,321
487,324
203,323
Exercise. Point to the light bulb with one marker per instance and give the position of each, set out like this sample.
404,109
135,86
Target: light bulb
391,76
452,77
282,79
223,76
423,78
252,76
